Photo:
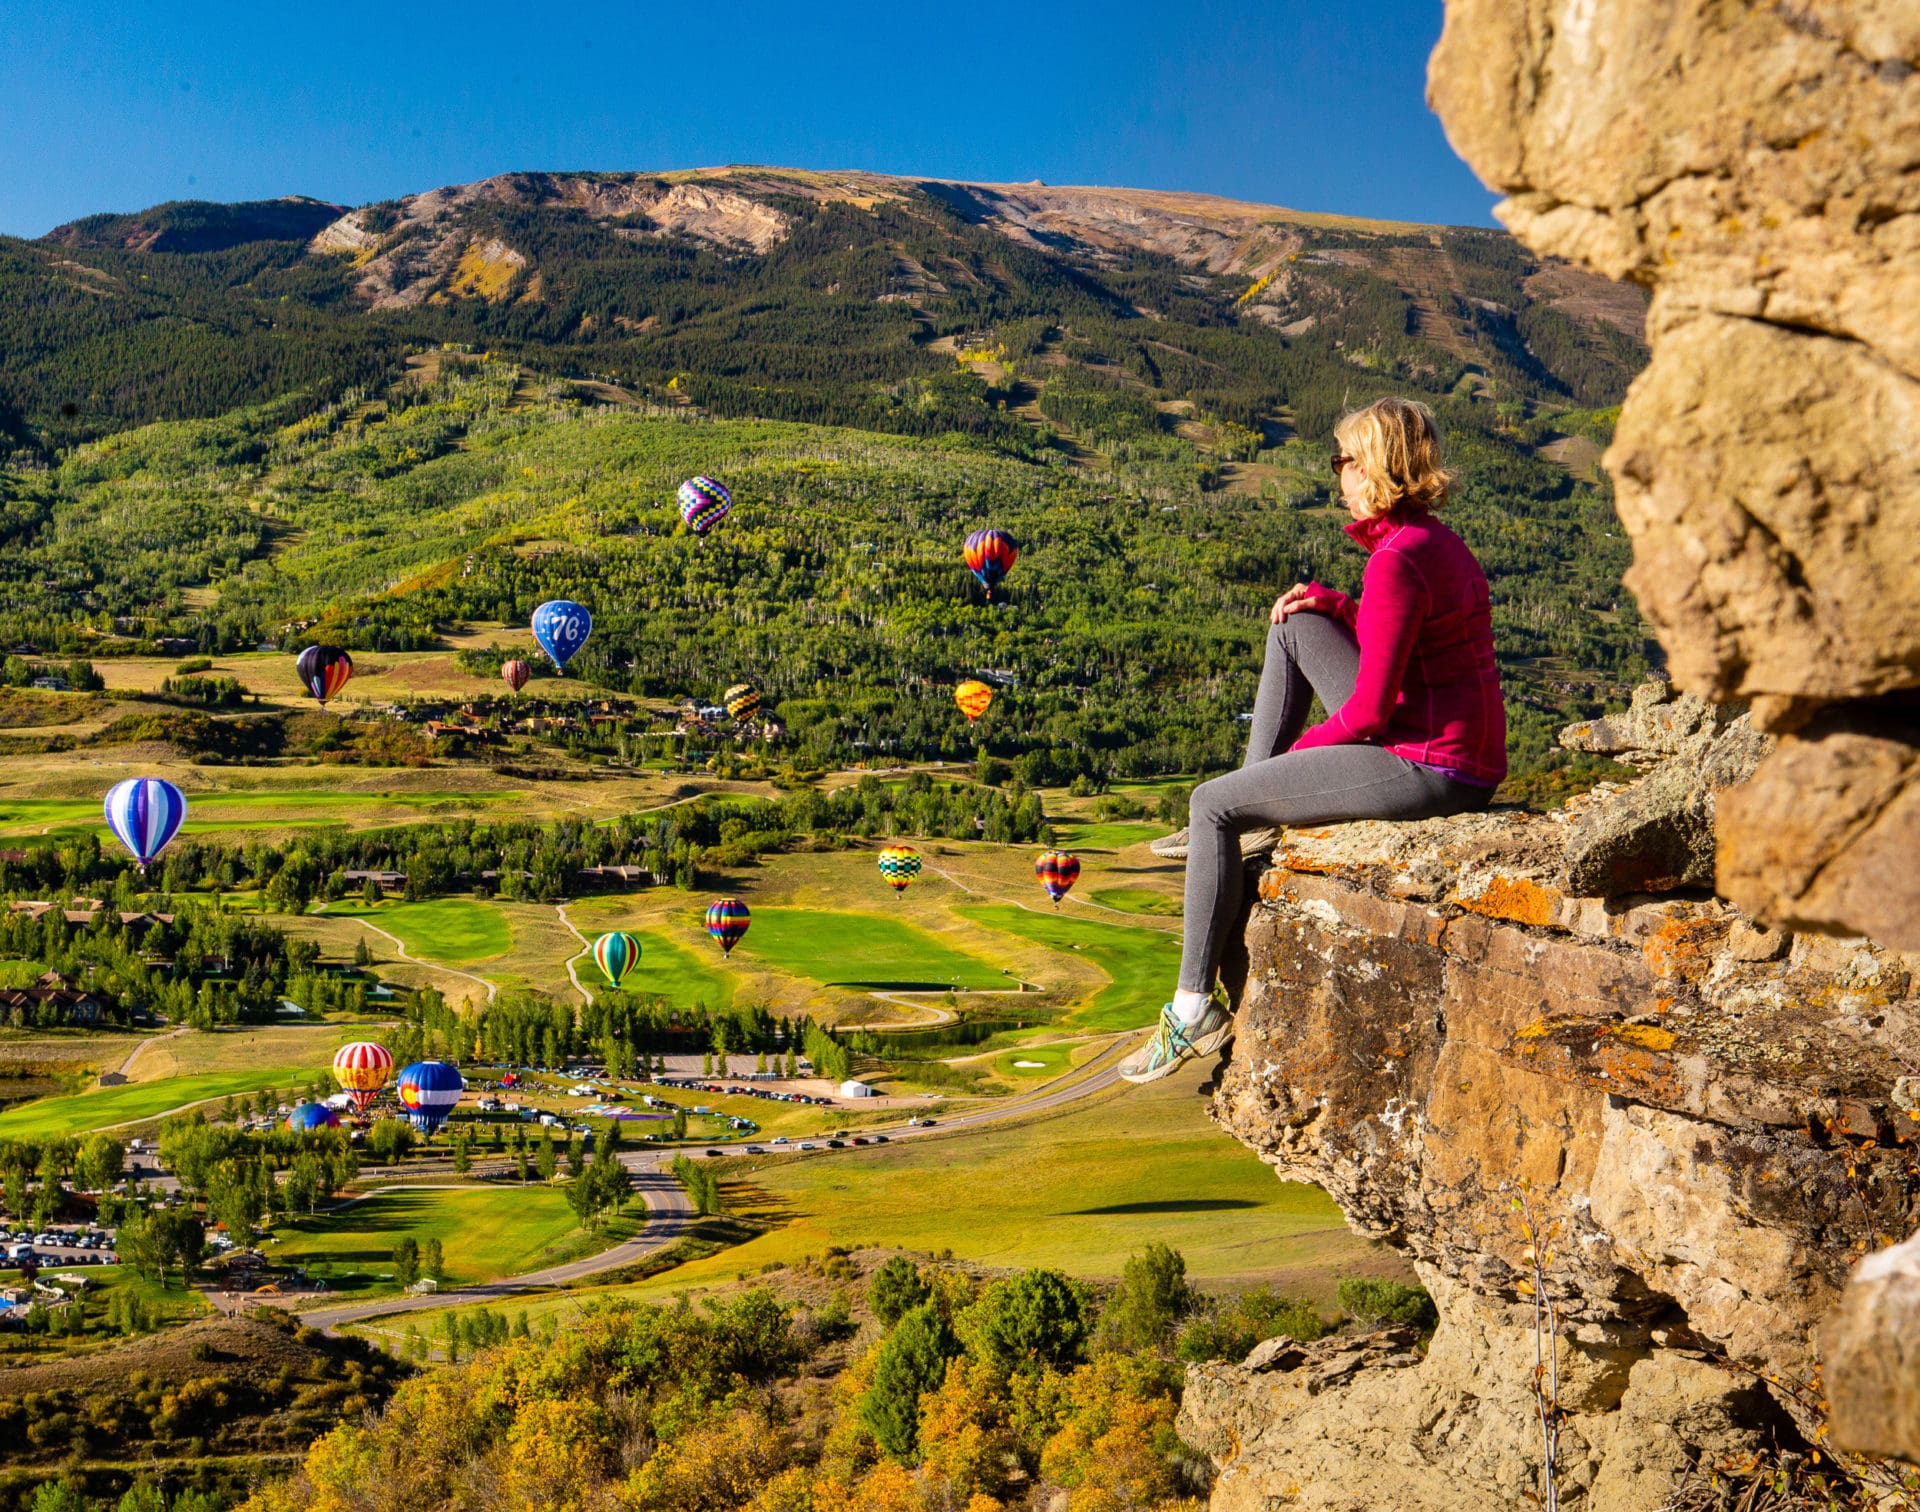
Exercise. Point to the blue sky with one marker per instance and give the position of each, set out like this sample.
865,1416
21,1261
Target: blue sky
1317,106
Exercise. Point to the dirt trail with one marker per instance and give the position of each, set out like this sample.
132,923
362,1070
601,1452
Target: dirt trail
573,975
126,1066
400,950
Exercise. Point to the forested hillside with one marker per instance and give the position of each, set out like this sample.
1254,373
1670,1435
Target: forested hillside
785,295
448,408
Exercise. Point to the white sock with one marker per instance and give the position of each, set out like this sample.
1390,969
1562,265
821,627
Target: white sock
1191,1007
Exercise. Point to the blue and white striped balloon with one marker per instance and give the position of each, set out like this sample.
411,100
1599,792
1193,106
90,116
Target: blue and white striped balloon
144,813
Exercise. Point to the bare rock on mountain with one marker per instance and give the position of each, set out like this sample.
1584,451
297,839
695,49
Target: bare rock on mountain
1753,167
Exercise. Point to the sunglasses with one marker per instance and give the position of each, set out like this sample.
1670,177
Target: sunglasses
1340,461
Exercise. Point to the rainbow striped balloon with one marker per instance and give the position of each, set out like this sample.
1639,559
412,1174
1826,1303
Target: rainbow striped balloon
616,953
704,503
1057,871
144,813
899,864
990,555
727,921
362,1069
324,670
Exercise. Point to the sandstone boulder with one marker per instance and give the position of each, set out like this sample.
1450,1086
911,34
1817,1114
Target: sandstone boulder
1753,167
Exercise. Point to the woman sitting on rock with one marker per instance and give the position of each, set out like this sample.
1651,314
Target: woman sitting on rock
1417,726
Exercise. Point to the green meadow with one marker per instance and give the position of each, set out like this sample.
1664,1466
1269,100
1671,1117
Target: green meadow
485,1232
861,950
1141,962
451,931
106,1106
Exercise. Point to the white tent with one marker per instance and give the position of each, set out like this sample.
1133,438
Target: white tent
856,1089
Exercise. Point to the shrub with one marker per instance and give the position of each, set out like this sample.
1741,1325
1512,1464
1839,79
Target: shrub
1375,1303
896,1289
1152,1297
912,1362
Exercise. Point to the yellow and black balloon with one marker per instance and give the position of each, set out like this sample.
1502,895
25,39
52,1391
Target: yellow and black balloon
974,698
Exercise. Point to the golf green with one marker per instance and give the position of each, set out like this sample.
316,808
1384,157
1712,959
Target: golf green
861,950
450,931
672,971
485,1232
101,1109
1143,963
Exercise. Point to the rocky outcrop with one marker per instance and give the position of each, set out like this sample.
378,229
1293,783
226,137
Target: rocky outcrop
1707,1113
1753,166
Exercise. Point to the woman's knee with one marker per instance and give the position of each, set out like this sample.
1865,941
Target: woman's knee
1207,802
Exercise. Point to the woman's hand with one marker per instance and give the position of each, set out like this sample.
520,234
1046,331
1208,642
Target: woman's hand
1300,596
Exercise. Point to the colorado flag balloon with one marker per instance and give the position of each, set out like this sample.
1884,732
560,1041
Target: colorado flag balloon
144,813
429,1091
727,921
562,627
704,503
616,954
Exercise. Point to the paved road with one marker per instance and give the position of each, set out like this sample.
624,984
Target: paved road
667,1213
669,1210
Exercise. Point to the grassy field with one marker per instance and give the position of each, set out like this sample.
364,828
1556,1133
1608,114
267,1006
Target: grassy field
280,1052
454,931
164,1305
1137,900
1085,835
669,968
861,950
1141,963
104,1107
1081,1192
485,1232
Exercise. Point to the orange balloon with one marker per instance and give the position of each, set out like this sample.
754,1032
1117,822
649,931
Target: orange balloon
973,698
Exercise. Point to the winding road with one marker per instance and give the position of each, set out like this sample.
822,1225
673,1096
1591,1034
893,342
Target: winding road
669,1211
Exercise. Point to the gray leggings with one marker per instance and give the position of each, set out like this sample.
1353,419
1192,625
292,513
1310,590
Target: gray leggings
1307,653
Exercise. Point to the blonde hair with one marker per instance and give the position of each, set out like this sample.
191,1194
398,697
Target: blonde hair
1397,445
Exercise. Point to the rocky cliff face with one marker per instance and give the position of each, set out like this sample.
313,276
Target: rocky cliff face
1753,166
1442,1017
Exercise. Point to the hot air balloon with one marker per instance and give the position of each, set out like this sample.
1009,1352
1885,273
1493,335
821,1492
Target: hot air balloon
1057,871
562,627
704,503
973,697
727,921
324,670
362,1069
990,556
742,702
515,674
429,1091
311,1116
616,954
144,813
899,864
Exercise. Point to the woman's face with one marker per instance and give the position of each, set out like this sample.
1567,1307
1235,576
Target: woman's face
1353,488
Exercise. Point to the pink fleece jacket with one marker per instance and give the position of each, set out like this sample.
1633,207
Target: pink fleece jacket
1427,687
